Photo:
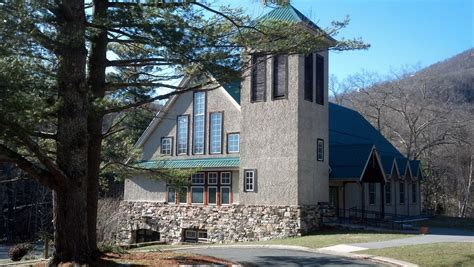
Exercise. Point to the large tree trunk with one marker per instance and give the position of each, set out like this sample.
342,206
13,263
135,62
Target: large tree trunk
96,78
70,198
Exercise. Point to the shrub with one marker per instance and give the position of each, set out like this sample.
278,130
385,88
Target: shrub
18,251
107,247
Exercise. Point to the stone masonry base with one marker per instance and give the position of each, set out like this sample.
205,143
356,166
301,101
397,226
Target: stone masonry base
224,224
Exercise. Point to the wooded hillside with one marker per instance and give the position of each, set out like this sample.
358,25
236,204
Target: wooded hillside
427,114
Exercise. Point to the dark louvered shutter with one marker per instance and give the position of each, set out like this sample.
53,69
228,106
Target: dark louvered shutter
320,79
258,78
280,76
308,77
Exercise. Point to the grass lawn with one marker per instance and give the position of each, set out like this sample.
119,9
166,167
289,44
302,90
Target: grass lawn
318,240
438,254
448,222
335,237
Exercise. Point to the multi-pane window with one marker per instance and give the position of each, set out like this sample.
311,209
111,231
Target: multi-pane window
212,178
388,192
320,150
212,195
225,195
249,180
280,76
166,145
197,194
413,193
259,71
402,193
371,193
308,77
233,143
183,195
216,133
171,195
199,122
182,134
198,178
225,177
319,79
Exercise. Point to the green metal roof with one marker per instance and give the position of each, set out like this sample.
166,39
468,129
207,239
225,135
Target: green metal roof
287,13
191,163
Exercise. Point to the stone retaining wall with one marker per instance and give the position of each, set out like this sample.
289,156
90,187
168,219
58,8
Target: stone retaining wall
224,224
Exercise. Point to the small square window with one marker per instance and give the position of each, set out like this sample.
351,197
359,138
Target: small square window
225,178
198,178
166,145
212,178
191,234
320,150
249,180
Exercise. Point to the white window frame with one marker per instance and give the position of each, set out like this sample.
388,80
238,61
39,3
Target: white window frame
230,192
168,193
180,131
230,178
203,198
186,190
215,134
170,140
247,181
208,194
209,177
201,239
187,236
203,178
229,146
320,149
199,148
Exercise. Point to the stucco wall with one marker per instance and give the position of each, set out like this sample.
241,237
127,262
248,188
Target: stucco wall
269,141
217,100
313,123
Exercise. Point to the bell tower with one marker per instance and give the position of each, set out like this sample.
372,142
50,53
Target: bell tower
284,125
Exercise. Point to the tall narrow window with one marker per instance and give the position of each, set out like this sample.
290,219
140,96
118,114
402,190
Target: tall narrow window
388,192
280,76
249,180
212,195
259,71
197,194
233,143
171,195
308,77
414,192
225,195
402,193
215,142
371,193
166,145
320,79
182,134
183,195
320,148
199,122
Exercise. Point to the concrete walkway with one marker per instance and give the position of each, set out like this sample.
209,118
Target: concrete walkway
437,235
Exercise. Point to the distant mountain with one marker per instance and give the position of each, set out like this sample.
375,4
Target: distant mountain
455,74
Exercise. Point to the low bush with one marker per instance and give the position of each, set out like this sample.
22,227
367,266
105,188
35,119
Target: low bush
18,251
107,247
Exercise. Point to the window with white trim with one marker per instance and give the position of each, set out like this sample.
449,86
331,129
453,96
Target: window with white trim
198,178
212,178
183,195
225,195
249,180
225,177
199,122
402,193
171,195
216,133
320,150
212,195
371,193
166,145
233,143
197,194
182,134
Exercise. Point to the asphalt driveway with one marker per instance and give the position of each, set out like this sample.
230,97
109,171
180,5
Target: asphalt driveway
277,257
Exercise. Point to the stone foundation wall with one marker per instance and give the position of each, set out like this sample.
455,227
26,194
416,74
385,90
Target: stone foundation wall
225,224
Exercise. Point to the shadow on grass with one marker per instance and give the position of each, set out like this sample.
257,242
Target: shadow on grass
112,263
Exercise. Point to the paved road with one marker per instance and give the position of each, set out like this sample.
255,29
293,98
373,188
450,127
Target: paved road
277,257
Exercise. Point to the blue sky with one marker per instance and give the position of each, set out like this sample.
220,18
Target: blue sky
401,32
